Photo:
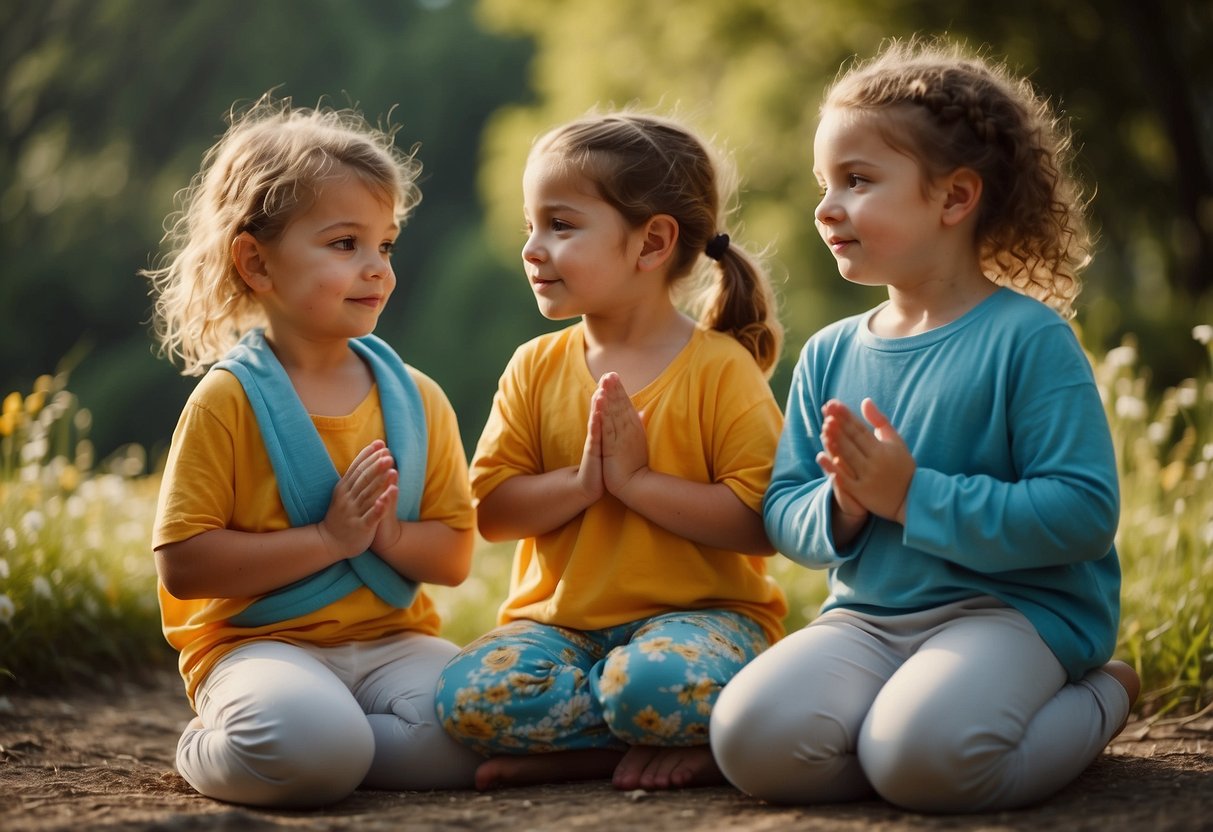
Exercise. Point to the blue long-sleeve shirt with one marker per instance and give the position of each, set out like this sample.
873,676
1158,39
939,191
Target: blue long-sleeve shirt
1015,494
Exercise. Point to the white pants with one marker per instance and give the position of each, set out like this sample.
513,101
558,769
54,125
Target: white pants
297,726
956,709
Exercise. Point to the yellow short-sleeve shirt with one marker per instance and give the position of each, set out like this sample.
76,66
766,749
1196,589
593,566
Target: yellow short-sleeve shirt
710,417
218,475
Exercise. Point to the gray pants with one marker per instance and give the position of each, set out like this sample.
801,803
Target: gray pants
297,726
956,709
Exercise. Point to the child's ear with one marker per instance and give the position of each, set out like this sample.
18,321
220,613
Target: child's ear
660,236
250,265
962,195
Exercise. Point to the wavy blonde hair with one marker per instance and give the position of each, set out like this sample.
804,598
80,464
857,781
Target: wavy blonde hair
644,165
267,166
949,108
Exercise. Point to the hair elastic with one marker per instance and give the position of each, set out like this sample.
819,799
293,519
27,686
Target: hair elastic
717,246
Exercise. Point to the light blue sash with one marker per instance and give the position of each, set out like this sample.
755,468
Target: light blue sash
306,474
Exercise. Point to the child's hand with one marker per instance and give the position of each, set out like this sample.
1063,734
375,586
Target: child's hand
625,447
871,466
361,499
589,472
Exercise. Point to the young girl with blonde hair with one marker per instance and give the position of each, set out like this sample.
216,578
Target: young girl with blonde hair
628,454
313,479
961,659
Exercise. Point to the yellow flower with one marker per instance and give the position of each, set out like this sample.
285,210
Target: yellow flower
8,423
656,645
12,403
648,720
687,651
500,658
474,725
530,685
497,694
652,722
614,675
34,402
69,478
697,692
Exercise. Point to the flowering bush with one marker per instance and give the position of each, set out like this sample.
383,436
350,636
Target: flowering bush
77,584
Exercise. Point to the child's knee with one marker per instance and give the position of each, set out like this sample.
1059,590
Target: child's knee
783,755
952,769
657,703
278,759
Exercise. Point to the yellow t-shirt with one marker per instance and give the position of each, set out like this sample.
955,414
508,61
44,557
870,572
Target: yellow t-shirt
710,417
218,475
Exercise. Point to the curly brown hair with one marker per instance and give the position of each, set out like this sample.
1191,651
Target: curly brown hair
951,108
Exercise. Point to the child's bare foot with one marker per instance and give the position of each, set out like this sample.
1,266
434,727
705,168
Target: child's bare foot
652,767
557,767
1129,680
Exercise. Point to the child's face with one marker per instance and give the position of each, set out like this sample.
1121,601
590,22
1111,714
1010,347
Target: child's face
330,272
579,254
875,215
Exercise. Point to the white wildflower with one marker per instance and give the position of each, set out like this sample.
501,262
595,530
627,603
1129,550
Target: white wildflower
1158,433
76,507
9,535
1185,395
32,522
4,571
1130,407
1122,356
42,587
34,450
7,609
1203,333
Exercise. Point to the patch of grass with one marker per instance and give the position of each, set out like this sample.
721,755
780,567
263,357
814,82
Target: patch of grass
77,582
1165,450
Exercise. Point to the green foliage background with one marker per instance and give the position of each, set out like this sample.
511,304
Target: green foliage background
109,104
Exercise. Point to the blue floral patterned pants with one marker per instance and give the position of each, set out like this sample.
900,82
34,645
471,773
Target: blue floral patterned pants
530,688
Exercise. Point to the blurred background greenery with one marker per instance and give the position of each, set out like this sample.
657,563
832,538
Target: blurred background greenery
109,104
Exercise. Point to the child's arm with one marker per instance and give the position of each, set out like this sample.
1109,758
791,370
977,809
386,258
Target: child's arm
225,563
428,551
529,505
707,513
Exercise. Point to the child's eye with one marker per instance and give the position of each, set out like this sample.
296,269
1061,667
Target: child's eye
560,225
388,246
344,244
854,180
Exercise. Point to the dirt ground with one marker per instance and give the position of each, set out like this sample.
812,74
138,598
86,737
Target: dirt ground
95,760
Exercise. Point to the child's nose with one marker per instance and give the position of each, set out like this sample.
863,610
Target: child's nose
827,210
532,251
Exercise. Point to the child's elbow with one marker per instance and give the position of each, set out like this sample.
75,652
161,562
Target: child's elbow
492,529
176,581
457,565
